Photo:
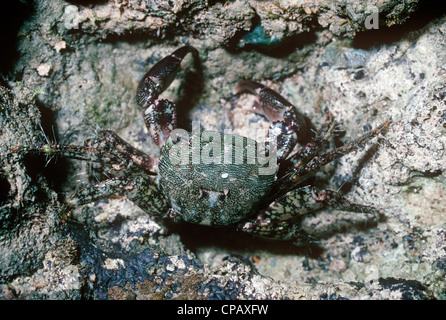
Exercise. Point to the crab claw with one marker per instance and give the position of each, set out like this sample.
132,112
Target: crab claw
160,115
287,124
160,76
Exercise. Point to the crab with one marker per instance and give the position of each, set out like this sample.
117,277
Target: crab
216,179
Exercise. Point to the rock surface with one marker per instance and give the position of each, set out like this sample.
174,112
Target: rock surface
77,70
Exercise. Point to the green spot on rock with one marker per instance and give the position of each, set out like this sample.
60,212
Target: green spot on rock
259,36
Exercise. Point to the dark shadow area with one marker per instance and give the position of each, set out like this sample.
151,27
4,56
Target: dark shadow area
5,188
212,3
427,12
196,237
87,2
12,16
134,37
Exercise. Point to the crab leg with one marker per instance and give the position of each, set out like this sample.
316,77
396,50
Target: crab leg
304,155
142,191
306,170
307,152
113,144
146,195
108,148
160,115
278,220
287,123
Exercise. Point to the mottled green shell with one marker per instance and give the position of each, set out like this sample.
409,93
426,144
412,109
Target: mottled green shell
215,194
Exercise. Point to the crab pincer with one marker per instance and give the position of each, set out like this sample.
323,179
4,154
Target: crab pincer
287,124
160,116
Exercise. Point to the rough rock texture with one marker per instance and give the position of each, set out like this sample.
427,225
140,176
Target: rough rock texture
78,66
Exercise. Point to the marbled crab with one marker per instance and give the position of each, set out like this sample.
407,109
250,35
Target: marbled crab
226,188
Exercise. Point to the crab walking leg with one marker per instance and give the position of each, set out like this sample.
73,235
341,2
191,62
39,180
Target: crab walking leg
111,143
278,220
278,230
307,152
304,155
287,124
317,162
143,192
147,196
160,115
86,153
108,149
